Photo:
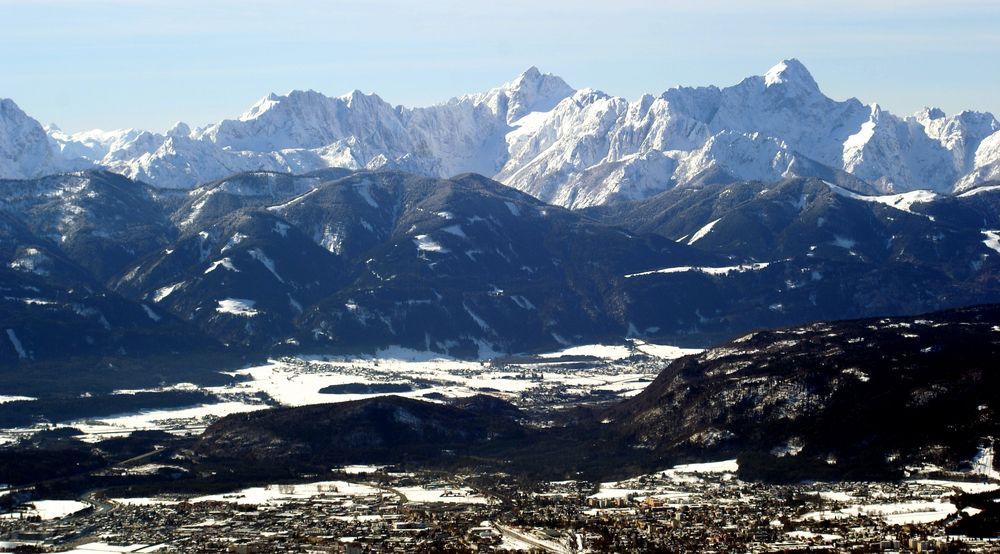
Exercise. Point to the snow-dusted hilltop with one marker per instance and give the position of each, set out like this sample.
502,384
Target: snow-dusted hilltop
575,148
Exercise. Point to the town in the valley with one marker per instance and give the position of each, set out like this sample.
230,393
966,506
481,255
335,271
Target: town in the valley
689,508
699,507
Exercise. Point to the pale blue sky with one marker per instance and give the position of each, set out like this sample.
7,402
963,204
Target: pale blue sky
148,63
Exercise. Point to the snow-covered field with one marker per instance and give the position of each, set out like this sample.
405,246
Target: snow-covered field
6,398
575,374
894,513
95,547
444,495
677,484
621,369
932,502
280,494
964,486
359,469
179,421
277,494
909,502
324,491
48,509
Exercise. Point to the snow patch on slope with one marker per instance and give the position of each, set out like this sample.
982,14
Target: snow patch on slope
237,306
426,244
150,313
163,292
701,233
742,268
903,201
16,343
224,263
267,262
992,240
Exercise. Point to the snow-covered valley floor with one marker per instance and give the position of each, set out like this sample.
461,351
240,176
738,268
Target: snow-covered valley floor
591,373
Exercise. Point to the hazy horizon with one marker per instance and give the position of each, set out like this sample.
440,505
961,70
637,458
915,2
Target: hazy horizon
149,63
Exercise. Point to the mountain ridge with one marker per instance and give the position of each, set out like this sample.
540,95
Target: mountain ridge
336,260
574,148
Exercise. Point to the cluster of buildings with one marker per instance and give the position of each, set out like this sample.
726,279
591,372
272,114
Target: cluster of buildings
712,511
692,509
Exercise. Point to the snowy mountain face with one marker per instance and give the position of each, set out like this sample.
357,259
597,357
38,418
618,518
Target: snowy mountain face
24,146
574,148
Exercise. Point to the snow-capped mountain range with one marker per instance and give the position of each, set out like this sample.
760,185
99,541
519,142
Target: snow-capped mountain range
574,148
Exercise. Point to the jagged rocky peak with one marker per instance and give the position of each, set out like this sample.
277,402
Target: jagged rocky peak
792,73
25,150
534,91
590,149
353,97
930,114
7,105
356,96
299,98
261,106
978,122
180,129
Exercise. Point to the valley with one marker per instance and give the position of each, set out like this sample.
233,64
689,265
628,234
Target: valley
419,451
741,318
537,385
495,351
379,508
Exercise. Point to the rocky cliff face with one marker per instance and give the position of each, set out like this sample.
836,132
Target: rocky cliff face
24,146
